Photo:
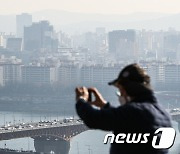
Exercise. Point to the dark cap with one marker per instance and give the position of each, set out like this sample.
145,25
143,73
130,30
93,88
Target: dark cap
132,73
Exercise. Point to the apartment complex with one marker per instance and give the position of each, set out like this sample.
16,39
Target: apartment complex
163,75
38,75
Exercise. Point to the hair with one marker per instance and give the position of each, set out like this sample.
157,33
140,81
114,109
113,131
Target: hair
136,90
138,81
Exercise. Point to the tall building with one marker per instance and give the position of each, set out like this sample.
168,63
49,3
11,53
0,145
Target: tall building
156,73
4,39
172,76
123,44
40,36
68,75
90,41
14,44
171,45
10,70
22,20
98,74
96,42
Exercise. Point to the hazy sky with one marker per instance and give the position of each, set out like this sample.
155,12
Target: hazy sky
91,6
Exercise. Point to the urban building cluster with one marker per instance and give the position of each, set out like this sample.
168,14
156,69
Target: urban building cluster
12,71
37,54
119,44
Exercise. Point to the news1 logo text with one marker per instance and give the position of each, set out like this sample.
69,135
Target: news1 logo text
163,138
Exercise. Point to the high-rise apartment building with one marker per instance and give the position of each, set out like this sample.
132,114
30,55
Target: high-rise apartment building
11,73
171,45
68,75
38,75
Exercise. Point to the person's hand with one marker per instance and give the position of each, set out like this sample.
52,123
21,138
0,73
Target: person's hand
82,92
99,100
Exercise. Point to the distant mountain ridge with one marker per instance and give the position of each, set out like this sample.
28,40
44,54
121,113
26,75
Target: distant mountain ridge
80,22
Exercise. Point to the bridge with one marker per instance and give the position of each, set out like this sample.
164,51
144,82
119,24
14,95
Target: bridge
54,135
48,136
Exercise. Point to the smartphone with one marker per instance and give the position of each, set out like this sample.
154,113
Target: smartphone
90,96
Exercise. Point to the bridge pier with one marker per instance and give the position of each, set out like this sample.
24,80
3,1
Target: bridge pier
56,145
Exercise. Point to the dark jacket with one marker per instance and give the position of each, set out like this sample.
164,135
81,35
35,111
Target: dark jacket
143,115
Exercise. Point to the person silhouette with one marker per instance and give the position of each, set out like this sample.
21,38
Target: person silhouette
138,113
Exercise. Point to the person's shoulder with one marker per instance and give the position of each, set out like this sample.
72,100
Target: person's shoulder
129,108
148,108
132,105
137,106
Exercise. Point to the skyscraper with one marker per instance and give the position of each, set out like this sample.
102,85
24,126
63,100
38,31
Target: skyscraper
22,20
123,43
40,36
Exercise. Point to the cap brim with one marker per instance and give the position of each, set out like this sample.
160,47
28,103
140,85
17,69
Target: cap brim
112,83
